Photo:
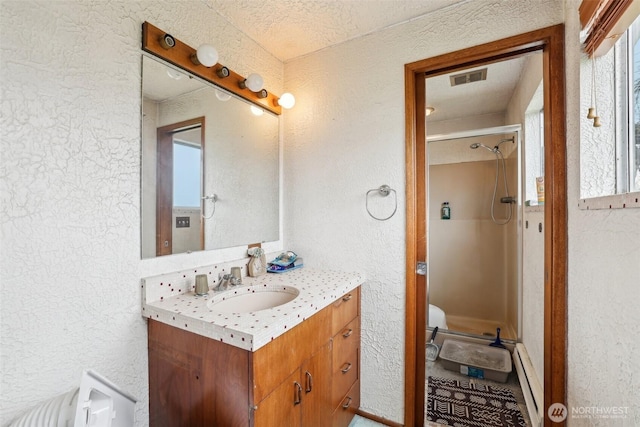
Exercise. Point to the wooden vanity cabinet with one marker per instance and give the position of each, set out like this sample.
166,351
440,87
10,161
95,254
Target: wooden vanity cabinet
345,327
295,380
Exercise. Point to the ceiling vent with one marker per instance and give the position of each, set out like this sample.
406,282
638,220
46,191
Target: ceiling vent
470,77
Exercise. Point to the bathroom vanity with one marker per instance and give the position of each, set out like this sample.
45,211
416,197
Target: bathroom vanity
297,364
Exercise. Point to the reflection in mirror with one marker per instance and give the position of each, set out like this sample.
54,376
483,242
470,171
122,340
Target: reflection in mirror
484,143
179,175
210,168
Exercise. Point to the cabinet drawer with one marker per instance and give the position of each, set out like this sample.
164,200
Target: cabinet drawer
344,342
345,374
345,309
344,413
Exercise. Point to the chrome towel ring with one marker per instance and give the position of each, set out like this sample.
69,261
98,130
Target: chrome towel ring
384,191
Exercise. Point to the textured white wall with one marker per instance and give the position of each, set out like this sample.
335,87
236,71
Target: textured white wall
532,320
70,262
598,145
346,136
604,276
533,289
70,207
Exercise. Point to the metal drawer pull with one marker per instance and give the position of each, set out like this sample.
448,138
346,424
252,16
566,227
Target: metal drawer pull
348,333
347,297
346,368
347,403
309,382
297,393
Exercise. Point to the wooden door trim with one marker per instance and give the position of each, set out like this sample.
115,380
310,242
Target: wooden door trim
550,41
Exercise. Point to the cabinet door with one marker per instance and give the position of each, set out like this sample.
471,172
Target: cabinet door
283,406
316,382
172,393
195,381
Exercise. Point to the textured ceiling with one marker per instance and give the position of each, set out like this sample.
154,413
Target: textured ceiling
483,97
292,28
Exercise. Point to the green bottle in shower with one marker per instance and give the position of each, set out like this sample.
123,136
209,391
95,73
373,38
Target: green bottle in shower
445,211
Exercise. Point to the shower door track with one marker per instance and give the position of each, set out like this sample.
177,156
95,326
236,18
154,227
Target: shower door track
476,132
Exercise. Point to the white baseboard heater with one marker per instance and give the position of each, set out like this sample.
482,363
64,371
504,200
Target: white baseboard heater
531,388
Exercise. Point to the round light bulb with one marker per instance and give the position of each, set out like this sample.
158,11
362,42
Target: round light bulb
257,111
207,55
254,82
287,100
174,74
222,96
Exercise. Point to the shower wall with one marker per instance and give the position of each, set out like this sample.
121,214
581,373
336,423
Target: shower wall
473,273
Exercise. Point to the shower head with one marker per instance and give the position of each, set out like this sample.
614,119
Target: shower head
477,145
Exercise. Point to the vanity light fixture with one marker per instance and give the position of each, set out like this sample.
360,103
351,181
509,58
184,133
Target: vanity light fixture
206,55
222,72
429,111
167,41
256,111
253,82
286,100
189,59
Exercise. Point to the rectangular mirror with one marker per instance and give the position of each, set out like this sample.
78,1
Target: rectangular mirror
210,166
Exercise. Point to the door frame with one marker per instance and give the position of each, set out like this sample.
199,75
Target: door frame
550,41
164,182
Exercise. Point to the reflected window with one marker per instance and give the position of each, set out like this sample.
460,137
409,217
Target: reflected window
186,174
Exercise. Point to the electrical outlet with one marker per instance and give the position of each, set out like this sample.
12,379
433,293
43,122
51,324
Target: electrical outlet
183,222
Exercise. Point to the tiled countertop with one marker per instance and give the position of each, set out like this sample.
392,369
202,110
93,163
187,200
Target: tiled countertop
170,299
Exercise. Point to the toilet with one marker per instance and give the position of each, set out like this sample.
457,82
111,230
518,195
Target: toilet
96,403
437,317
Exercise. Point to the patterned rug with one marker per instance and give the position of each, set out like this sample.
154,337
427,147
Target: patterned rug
461,403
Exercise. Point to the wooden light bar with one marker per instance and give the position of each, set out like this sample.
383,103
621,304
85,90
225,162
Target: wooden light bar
180,55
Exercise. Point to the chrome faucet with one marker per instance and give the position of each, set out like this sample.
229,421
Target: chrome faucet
225,281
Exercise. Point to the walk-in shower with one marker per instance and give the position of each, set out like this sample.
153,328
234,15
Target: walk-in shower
475,256
509,200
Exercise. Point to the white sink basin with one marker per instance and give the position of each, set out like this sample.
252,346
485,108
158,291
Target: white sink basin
256,300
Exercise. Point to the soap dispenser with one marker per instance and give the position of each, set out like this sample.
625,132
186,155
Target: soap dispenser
445,211
258,262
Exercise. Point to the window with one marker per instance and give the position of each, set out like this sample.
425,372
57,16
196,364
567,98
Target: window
610,154
534,145
627,50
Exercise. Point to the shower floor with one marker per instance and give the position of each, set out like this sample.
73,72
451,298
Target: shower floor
481,327
435,369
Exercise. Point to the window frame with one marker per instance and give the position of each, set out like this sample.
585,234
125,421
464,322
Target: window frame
626,195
